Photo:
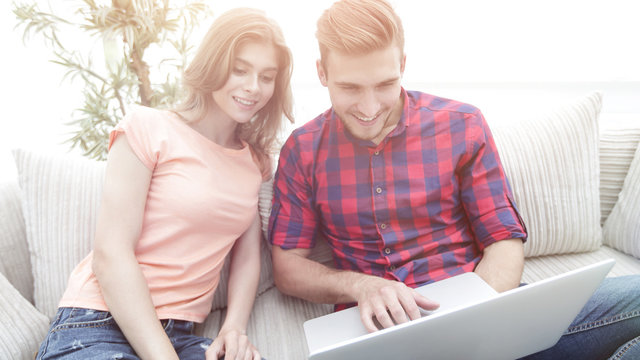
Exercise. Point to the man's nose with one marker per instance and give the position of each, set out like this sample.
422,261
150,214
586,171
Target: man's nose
369,104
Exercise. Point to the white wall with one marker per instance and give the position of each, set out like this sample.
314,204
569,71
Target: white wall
467,49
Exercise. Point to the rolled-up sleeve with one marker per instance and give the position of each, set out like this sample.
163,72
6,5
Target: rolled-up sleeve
485,191
293,221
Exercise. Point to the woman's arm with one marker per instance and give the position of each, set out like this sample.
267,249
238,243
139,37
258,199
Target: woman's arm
119,224
244,274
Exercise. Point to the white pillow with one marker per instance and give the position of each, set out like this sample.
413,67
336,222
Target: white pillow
617,146
61,196
22,327
622,228
14,252
551,161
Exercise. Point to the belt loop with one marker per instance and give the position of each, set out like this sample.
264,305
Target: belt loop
167,324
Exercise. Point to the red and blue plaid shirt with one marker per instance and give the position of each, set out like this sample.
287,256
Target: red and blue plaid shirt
419,207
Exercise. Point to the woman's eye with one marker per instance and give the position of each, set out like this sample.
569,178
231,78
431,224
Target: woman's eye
239,71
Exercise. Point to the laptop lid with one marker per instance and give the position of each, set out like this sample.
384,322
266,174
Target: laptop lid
473,322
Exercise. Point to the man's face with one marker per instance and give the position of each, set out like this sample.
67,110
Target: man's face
365,90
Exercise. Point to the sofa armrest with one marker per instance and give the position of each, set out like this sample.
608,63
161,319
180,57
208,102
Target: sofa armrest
22,328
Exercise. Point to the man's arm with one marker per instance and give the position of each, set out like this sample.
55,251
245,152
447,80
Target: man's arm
502,264
389,301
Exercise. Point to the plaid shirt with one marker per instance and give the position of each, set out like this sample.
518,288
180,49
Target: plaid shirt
419,207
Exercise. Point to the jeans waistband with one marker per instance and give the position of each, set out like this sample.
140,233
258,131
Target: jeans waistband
177,325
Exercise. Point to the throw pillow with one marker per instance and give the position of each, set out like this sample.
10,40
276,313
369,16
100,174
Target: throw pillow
551,161
617,146
61,196
22,326
622,228
14,252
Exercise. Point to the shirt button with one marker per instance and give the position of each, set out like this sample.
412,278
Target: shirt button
383,226
392,267
387,251
376,153
378,190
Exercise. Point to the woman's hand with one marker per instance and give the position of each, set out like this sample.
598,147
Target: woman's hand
234,345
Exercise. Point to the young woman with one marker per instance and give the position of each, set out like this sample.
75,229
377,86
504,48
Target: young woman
180,193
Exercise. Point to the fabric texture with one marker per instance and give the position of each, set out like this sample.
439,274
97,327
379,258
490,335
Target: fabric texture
79,334
61,196
551,160
622,228
14,252
617,146
22,327
435,182
201,198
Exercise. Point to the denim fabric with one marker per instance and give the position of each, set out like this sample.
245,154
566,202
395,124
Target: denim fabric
608,327
90,334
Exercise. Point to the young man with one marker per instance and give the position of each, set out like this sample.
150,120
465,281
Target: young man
407,188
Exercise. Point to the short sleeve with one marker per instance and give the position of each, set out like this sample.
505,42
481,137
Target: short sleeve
145,134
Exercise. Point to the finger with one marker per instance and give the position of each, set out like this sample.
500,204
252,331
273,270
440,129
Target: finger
215,349
366,316
244,349
391,297
248,354
409,305
256,355
382,315
425,302
231,350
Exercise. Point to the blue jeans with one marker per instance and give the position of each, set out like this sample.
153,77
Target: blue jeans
608,327
90,334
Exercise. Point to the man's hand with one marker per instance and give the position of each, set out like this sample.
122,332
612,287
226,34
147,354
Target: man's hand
390,302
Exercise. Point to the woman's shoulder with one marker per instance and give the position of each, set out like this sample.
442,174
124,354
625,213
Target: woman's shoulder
144,118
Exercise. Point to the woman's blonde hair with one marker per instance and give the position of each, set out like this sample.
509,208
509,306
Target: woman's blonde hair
213,63
358,27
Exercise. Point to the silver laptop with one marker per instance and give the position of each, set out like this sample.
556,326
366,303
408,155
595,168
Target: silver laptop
473,321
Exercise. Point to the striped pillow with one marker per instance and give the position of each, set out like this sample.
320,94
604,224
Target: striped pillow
551,160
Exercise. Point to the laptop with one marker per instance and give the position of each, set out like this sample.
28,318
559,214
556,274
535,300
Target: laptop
473,321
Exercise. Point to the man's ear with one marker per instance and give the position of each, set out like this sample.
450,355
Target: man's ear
403,61
322,74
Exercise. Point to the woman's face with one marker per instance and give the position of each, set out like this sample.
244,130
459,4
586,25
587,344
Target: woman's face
250,84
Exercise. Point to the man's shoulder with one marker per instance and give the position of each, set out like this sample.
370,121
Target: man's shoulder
311,131
423,101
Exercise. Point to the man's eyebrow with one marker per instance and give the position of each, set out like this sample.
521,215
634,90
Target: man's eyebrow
246,63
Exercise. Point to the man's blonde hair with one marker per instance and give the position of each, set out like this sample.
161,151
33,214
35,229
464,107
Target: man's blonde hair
356,27
213,63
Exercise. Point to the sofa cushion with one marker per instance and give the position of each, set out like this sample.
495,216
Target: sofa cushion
618,143
622,227
61,197
551,160
22,326
15,264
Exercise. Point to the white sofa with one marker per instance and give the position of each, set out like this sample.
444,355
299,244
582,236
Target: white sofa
577,186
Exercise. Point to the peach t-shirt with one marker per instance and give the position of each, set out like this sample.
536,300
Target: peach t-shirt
201,198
